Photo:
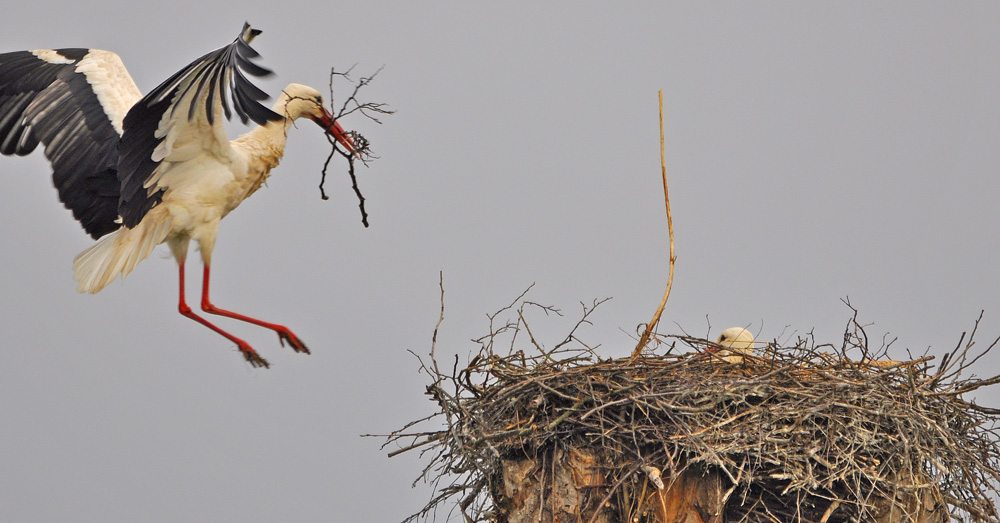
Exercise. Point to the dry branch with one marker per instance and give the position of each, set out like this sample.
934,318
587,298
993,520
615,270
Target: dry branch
804,433
362,151
644,339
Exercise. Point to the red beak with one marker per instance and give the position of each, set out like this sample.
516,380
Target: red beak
334,129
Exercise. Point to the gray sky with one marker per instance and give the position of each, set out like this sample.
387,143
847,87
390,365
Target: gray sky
815,151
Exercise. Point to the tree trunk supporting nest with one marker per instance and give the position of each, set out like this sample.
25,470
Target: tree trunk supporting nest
562,486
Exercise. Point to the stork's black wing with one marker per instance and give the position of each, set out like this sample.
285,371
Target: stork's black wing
72,101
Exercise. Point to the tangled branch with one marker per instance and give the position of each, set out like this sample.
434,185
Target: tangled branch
362,151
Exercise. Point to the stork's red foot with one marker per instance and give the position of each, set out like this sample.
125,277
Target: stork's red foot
252,356
286,335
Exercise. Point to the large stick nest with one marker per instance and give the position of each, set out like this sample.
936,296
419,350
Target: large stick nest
794,431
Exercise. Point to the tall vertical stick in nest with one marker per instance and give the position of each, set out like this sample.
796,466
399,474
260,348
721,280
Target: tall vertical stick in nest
670,228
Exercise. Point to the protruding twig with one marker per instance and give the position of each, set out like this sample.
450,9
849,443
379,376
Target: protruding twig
670,228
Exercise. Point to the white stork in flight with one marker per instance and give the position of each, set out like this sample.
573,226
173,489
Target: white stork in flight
137,171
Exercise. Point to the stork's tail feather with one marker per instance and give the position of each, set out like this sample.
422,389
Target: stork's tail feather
117,254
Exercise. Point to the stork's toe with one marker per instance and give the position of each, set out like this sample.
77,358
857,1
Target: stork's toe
254,358
293,341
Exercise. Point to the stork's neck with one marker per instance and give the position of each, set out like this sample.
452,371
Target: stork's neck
266,143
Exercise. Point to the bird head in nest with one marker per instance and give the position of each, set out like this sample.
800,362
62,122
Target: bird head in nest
735,343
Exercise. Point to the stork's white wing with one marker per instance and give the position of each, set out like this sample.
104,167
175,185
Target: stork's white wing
182,118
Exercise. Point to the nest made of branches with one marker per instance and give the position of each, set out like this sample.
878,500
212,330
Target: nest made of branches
794,431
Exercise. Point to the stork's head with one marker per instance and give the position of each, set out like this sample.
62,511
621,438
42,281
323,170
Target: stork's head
299,101
736,343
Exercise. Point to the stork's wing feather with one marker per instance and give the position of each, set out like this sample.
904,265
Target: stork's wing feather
182,117
73,102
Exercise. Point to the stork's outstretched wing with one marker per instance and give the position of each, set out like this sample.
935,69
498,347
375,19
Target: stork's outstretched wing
182,118
73,102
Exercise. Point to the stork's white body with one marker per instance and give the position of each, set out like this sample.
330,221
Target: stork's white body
138,170
204,180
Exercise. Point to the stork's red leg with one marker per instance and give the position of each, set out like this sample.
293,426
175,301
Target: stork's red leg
248,352
284,334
